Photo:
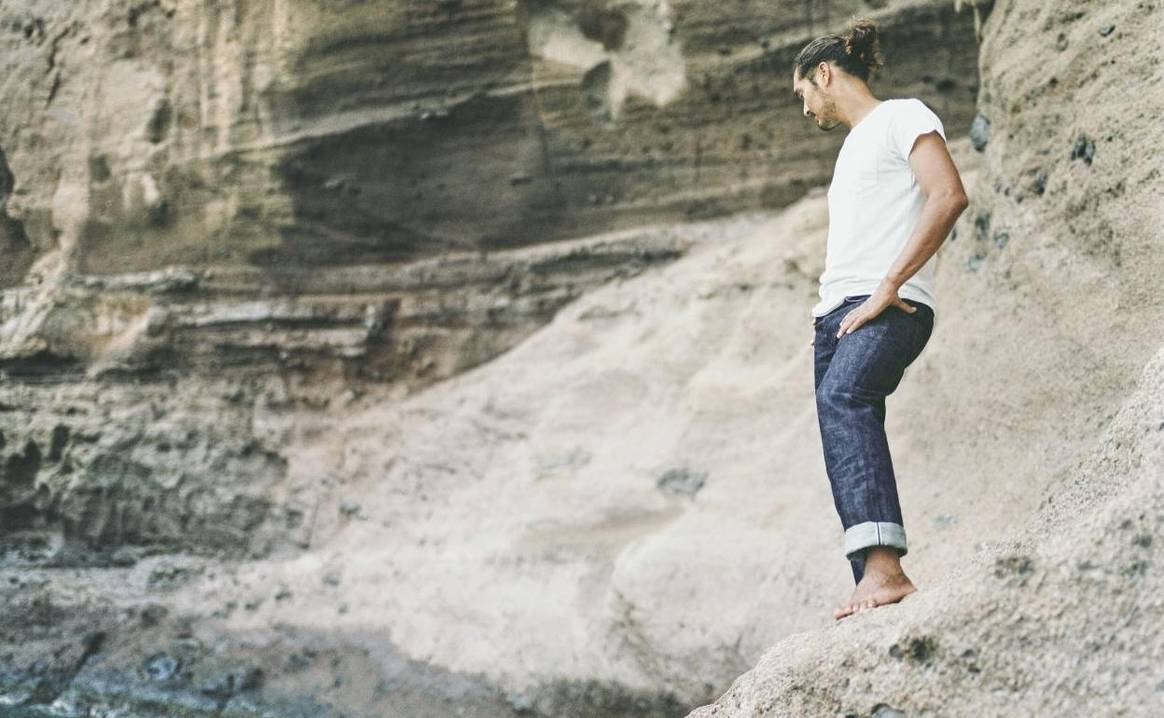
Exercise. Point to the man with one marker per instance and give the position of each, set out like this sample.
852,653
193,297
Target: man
894,196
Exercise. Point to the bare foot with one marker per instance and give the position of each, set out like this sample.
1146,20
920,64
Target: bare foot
876,589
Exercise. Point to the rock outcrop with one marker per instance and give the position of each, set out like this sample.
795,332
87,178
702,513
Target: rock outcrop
410,356
1039,409
220,218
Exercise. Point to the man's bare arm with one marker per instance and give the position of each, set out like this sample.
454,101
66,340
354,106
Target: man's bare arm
945,201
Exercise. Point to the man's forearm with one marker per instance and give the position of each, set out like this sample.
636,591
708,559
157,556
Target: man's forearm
936,220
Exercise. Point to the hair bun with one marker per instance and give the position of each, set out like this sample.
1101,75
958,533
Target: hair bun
857,52
862,42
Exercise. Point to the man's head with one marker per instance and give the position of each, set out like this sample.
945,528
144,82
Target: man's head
834,68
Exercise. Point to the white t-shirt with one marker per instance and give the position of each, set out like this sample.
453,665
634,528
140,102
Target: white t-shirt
874,203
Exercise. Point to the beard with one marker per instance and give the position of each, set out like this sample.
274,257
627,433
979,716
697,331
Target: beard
827,117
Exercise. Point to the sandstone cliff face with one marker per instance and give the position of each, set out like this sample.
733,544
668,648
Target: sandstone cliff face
278,136
217,217
362,357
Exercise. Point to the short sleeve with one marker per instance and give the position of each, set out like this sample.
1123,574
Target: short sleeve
911,121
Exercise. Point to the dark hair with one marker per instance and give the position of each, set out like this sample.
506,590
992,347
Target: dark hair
857,52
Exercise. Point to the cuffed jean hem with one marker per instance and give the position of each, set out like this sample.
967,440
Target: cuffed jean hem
873,533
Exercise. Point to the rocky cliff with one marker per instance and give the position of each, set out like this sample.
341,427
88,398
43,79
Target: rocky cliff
1034,427
386,357
220,216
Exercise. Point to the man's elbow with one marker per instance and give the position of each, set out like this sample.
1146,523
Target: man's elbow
957,199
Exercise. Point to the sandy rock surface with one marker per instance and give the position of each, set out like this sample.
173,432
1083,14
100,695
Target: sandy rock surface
1038,410
223,222
277,439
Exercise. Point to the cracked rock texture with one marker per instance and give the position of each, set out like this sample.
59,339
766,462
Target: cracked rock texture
372,358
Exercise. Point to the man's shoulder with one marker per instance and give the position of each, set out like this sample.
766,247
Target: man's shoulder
913,105
911,116
902,107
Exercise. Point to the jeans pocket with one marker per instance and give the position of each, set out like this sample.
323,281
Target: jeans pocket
922,319
846,302
924,316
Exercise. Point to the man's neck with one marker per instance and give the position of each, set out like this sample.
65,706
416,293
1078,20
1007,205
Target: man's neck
861,107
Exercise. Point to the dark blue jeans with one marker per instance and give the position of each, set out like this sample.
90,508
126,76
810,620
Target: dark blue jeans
853,375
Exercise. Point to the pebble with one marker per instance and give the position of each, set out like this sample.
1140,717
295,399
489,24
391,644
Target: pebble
1084,149
980,131
161,666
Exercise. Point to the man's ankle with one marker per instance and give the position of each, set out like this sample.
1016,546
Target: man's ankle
883,561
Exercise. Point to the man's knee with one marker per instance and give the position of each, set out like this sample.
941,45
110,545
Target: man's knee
843,394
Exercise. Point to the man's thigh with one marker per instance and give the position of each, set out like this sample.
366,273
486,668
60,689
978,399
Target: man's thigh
825,336
873,358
